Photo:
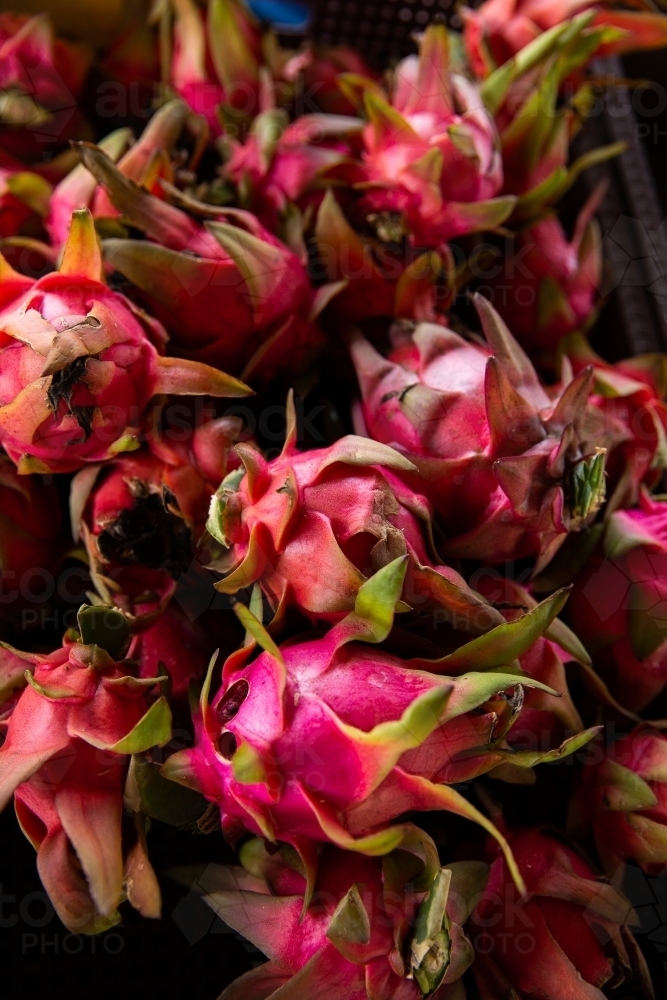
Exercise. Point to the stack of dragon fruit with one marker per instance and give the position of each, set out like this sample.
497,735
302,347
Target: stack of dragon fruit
307,454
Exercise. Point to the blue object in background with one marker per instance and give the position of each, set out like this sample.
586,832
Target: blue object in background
284,15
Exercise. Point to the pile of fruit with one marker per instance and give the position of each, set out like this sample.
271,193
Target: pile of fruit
354,505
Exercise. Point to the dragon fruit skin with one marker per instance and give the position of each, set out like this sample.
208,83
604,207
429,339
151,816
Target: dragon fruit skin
629,403
42,77
64,758
432,155
297,746
577,926
31,527
141,515
378,282
622,799
281,162
184,278
207,71
346,504
182,645
144,162
80,364
319,949
549,283
617,605
321,73
542,721
495,454
498,29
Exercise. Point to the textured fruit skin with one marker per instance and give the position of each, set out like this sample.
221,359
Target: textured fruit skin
321,76
142,515
628,402
494,451
216,58
146,161
182,645
342,507
622,801
498,29
617,603
30,528
58,759
562,940
550,287
229,293
431,149
373,901
49,74
80,363
296,746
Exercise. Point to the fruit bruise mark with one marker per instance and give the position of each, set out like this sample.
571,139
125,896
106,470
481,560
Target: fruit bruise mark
60,390
151,533
231,702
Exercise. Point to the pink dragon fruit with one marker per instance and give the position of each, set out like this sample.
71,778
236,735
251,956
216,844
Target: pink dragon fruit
432,155
567,938
548,285
498,29
64,759
180,644
379,280
341,507
618,603
321,72
296,746
141,515
31,528
541,721
509,470
41,78
215,59
144,162
629,404
362,929
80,364
280,162
266,322
622,800
24,198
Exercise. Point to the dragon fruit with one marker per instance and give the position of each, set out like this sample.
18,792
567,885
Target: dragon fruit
629,404
80,364
541,721
321,72
509,470
141,515
365,927
499,29
549,284
41,78
24,198
180,644
296,745
622,799
341,507
144,162
378,281
31,528
279,162
215,59
432,156
64,760
567,937
617,606
266,323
